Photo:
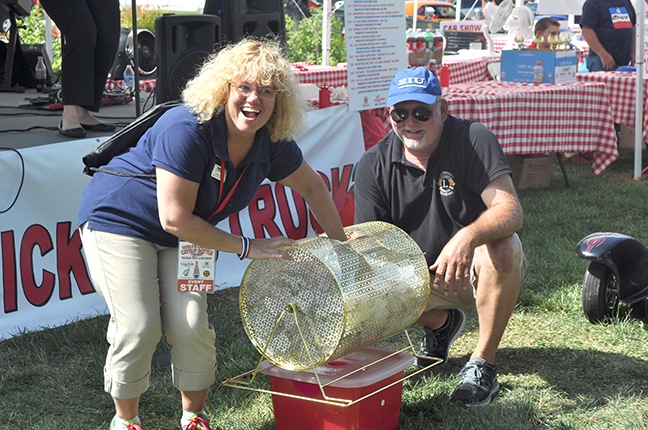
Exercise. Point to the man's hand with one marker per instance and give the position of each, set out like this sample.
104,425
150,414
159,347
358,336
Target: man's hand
452,267
608,61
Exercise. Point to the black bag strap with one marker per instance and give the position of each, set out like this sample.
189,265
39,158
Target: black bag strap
124,139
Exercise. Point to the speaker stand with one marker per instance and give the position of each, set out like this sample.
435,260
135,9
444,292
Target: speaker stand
136,59
11,52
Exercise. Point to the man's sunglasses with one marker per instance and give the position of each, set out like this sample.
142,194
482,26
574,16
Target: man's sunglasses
420,114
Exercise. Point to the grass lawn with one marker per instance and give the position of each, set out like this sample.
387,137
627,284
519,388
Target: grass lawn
556,370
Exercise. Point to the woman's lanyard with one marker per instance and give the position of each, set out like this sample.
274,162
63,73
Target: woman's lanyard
222,204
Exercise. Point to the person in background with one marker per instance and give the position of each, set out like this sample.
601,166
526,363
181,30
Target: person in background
207,159
544,28
609,29
91,31
446,182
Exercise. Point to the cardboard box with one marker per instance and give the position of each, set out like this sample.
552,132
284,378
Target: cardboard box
627,136
531,171
560,67
380,411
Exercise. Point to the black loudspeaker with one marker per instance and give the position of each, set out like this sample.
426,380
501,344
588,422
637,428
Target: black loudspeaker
240,18
25,60
125,54
31,53
182,43
21,76
20,7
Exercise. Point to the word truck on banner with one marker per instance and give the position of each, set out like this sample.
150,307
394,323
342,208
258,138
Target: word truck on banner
45,280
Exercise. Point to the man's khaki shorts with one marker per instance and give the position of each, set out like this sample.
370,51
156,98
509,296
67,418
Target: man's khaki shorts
466,298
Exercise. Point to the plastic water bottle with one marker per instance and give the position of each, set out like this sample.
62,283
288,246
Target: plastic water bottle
538,73
129,80
41,74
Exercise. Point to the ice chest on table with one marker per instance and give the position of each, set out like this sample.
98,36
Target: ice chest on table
559,67
377,412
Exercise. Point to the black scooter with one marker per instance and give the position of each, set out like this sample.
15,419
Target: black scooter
618,272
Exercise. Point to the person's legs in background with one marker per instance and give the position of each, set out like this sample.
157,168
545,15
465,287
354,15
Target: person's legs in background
107,23
91,30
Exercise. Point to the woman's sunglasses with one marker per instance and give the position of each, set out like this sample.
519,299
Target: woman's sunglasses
420,114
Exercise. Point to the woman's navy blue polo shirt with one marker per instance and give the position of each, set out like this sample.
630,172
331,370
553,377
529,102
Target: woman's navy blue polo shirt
178,144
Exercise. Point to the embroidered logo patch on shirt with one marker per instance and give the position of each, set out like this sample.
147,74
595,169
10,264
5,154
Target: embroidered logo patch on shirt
620,17
446,184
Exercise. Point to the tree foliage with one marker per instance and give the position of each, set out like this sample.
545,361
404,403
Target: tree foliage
305,43
146,15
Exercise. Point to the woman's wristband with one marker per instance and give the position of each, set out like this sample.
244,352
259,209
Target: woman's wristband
246,248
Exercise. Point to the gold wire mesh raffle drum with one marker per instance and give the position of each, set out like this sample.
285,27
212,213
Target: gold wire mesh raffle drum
334,297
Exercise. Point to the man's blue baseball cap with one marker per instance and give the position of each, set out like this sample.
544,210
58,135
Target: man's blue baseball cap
417,83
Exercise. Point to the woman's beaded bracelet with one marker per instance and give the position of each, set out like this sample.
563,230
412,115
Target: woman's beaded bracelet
246,248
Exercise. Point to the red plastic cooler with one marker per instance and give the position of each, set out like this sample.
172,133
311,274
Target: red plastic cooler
378,412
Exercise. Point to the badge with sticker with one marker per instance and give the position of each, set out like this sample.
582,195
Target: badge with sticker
218,173
196,268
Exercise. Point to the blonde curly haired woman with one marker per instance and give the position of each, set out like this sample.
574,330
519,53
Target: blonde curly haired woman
208,157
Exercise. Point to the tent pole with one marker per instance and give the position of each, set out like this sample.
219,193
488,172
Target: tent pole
326,32
639,85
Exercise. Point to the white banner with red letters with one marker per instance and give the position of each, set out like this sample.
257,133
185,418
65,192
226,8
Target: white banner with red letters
45,281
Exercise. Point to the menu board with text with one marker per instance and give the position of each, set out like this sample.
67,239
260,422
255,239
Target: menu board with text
376,49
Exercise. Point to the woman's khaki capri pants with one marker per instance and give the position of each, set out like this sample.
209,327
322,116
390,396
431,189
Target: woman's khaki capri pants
138,281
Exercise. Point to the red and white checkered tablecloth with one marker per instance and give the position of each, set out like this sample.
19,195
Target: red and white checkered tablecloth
620,87
469,70
329,76
540,118
461,70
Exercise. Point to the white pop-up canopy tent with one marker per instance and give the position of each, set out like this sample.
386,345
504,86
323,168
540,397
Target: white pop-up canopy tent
560,7
575,7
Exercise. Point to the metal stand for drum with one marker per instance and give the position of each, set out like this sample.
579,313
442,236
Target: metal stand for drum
247,384
331,300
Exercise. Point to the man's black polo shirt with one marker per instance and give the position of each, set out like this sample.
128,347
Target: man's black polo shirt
431,206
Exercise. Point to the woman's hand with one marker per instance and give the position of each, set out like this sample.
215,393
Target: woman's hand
176,200
268,248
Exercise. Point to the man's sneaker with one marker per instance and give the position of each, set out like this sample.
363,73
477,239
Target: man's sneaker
436,343
478,384
196,422
128,425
